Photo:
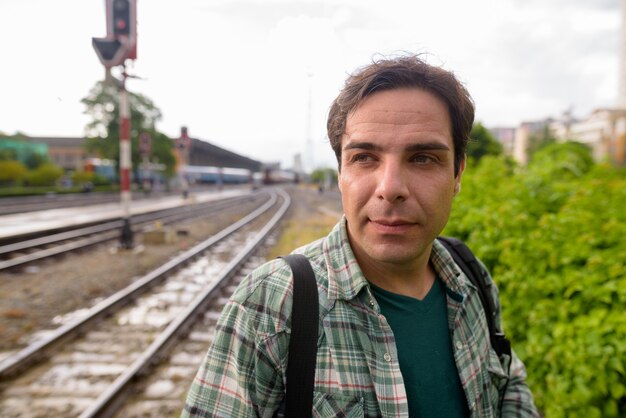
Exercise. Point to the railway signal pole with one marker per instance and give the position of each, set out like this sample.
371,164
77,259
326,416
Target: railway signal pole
183,144
119,45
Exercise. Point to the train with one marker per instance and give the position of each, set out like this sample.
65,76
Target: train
216,175
101,167
278,176
197,174
227,175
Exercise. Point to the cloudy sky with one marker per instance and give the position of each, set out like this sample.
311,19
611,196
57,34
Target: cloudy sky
258,76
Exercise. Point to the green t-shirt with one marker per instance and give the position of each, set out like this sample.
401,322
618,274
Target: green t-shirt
425,353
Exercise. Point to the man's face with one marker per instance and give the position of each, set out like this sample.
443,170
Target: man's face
397,176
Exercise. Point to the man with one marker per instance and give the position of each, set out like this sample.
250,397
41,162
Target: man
402,331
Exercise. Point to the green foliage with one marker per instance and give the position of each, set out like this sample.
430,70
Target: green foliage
102,104
321,174
82,177
568,159
34,160
11,171
538,141
45,175
554,236
8,154
482,143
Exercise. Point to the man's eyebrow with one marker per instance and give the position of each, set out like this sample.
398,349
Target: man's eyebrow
421,146
361,145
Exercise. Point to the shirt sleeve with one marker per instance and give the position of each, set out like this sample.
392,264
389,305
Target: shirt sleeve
237,377
518,400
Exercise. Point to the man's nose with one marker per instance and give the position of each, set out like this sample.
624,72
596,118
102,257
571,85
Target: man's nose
392,184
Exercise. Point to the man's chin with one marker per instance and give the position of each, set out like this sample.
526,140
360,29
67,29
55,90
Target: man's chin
394,255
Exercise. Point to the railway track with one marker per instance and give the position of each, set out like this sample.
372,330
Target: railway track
20,253
93,363
10,205
22,204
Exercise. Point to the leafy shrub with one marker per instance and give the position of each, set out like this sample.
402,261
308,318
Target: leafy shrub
100,180
45,175
82,177
11,171
556,246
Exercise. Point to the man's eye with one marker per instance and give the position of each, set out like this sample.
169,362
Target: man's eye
361,158
422,159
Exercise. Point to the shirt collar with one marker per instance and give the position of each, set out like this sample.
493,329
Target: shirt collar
345,278
455,280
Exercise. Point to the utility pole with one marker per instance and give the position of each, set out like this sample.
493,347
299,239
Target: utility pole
126,237
183,144
119,45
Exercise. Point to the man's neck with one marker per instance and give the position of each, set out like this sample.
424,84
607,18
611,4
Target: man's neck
414,280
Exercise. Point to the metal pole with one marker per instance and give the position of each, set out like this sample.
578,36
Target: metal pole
126,237
184,155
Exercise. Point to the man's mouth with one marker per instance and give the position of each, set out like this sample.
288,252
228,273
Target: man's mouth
391,226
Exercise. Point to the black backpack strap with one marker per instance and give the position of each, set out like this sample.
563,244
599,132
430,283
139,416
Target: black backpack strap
467,261
303,340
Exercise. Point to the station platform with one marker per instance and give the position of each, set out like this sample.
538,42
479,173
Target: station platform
33,222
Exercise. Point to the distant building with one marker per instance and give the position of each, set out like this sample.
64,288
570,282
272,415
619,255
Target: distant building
604,132
207,154
506,137
22,150
65,152
523,134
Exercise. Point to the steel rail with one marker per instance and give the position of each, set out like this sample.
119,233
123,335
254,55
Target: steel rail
113,398
28,355
107,224
106,232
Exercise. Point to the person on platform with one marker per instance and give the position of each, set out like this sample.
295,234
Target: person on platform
402,331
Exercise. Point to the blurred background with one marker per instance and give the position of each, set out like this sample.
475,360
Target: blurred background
232,97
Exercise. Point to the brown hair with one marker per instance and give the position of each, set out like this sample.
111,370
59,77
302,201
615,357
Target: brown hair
394,73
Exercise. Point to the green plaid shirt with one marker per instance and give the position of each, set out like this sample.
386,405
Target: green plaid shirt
357,374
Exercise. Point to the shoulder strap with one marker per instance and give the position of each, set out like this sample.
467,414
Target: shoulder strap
303,340
467,261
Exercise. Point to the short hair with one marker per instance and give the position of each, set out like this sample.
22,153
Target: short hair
401,72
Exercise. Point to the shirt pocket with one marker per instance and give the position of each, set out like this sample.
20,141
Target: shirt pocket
326,405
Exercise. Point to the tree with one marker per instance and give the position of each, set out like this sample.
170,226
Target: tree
34,160
482,143
102,104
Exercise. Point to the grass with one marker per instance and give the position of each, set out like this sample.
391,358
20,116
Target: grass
298,233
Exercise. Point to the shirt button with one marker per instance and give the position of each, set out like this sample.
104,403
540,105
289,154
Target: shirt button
459,345
387,357
372,302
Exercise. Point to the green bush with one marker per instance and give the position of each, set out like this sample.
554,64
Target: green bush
554,237
45,175
11,171
82,177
